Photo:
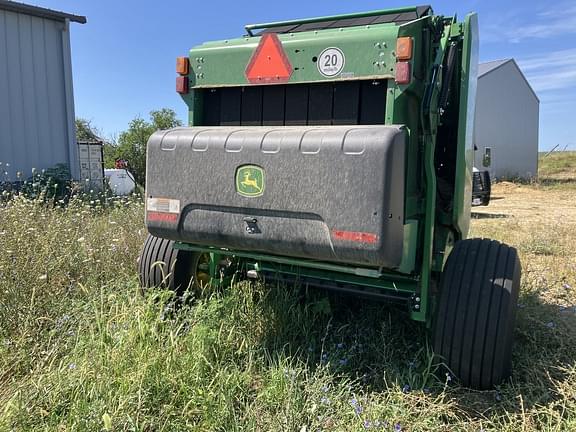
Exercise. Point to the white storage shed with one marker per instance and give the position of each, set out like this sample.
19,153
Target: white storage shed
36,95
506,126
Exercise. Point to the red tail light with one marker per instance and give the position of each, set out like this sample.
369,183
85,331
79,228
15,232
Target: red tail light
182,86
403,73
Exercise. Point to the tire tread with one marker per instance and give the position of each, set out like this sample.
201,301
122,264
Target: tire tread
474,323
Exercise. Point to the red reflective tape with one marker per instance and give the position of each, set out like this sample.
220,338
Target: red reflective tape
162,217
358,237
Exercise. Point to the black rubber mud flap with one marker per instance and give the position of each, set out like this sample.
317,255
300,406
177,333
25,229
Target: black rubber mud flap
162,266
474,323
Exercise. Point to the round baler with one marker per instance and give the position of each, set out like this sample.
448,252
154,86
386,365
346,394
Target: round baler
337,152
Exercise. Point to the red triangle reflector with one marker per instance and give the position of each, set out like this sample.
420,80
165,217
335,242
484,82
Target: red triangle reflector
269,63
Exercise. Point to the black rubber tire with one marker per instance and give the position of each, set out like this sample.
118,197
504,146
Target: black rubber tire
474,323
162,266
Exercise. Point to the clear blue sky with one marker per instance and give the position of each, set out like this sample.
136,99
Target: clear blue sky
124,57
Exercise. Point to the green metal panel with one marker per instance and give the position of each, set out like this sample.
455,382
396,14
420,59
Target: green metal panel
368,53
408,264
465,160
404,107
416,106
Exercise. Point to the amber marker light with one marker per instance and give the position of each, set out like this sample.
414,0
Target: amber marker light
404,48
182,65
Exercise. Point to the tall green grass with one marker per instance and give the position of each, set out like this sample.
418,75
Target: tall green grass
82,350
557,163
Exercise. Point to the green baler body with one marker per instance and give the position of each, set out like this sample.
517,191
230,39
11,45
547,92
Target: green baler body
438,123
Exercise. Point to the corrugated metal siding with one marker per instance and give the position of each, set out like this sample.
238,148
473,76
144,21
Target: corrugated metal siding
35,110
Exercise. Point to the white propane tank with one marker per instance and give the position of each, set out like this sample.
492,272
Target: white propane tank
120,181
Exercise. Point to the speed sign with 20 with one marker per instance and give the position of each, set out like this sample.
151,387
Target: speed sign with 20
331,62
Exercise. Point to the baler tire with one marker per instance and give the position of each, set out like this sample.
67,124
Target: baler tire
160,265
474,324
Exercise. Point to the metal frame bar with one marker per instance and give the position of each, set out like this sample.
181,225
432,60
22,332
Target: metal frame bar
430,121
353,270
397,285
306,277
407,288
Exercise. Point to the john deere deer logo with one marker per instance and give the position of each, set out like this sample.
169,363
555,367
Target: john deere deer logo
250,181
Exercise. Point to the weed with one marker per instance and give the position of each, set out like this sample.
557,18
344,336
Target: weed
81,349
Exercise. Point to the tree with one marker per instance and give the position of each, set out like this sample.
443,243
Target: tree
85,131
110,151
132,142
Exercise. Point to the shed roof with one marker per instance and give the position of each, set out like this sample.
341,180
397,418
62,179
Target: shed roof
484,68
41,12
487,67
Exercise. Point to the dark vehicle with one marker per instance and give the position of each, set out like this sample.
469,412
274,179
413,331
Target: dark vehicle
481,188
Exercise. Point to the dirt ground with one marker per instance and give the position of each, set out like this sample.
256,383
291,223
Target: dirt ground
540,221
530,203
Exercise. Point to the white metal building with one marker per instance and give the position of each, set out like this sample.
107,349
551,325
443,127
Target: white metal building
36,96
506,127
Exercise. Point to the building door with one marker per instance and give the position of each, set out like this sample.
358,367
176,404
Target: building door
488,161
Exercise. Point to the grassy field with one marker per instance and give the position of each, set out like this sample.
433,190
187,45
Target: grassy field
81,349
557,166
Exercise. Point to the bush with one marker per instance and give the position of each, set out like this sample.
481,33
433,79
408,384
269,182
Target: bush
49,185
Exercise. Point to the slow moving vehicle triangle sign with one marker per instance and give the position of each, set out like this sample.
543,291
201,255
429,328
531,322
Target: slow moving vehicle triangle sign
269,63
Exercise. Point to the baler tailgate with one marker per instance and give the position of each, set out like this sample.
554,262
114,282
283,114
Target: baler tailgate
327,193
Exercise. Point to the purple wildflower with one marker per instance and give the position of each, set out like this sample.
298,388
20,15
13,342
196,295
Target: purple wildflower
406,388
357,407
397,427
